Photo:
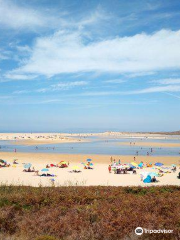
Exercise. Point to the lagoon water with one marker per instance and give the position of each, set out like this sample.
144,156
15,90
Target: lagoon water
96,146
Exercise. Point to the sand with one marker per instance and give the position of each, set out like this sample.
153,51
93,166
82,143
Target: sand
40,138
98,176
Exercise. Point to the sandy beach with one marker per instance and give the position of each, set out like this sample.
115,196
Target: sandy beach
98,176
39,138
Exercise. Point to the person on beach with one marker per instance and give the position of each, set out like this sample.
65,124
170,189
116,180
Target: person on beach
153,179
111,159
134,158
109,168
119,162
15,161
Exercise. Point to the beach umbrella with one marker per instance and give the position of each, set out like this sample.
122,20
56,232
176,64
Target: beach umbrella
91,164
89,160
134,164
2,161
63,162
75,168
144,173
45,170
130,165
153,174
27,165
158,164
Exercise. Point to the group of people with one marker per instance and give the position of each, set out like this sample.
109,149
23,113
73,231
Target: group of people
62,165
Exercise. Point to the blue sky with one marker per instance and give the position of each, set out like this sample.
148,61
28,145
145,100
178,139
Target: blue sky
77,64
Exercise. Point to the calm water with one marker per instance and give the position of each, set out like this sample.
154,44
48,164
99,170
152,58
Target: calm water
97,146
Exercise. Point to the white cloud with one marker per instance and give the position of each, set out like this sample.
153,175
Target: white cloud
19,76
62,86
68,85
16,16
21,92
139,74
68,53
167,81
115,81
157,89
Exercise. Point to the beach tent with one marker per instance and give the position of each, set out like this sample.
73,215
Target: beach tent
147,179
158,164
140,165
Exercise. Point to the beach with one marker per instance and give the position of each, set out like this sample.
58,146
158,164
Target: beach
87,177
39,138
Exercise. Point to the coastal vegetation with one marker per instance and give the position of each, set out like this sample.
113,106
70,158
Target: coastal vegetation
86,213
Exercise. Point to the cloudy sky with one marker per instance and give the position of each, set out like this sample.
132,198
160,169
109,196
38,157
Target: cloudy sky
97,64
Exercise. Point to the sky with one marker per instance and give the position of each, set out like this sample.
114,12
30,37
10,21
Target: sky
96,65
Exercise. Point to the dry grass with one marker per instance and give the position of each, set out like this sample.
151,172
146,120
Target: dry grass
88,213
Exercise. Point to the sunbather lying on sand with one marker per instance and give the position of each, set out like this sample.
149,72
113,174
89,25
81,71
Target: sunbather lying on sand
29,170
47,175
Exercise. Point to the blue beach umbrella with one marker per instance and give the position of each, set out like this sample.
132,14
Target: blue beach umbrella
27,165
89,160
158,164
130,165
45,170
153,174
